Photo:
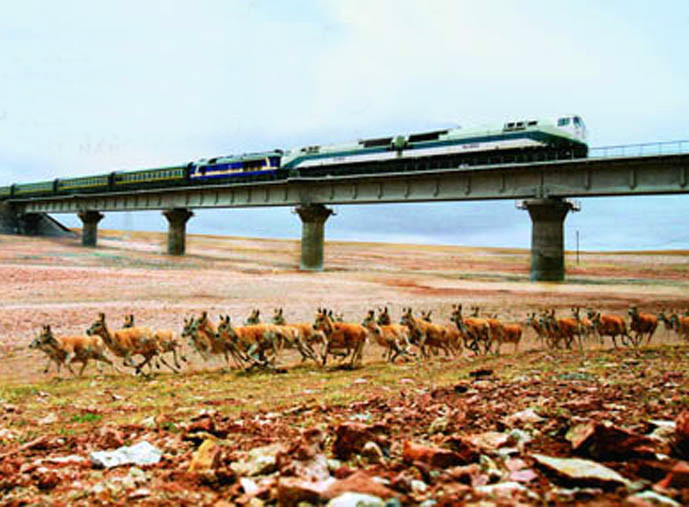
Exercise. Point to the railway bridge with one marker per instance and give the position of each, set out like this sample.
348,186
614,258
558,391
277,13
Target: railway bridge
544,189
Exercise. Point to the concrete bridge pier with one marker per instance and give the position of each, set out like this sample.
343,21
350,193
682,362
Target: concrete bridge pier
313,219
177,230
89,231
547,239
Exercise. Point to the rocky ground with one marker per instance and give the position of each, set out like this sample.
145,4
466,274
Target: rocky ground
593,426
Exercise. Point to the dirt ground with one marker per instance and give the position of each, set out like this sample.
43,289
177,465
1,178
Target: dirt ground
58,282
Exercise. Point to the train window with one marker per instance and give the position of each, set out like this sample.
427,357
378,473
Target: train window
563,122
577,121
383,141
532,123
426,136
520,124
510,125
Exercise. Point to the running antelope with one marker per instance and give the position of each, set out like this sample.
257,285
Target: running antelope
426,334
609,325
167,341
251,343
68,349
475,331
642,324
126,343
341,338
394,338
303,337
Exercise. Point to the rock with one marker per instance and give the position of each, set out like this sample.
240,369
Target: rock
110,438
138,494
206,458
580,471
432,456
372,453
480,373
653,498
524,418
489,440
305,458
677,477
292,491
49,419
358,482
526,475
606,442
663,431
142,453
468,451
508,490
259,461
681,442
249,486
61,460
356,500
439,425
418,486
45,479
350,438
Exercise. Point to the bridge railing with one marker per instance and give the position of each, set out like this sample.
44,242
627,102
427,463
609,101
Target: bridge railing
640,150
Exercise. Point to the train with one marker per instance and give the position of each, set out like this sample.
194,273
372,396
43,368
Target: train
520,141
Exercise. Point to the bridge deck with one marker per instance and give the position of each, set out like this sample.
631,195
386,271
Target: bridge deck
620,176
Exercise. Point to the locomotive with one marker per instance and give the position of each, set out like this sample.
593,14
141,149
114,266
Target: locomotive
520,141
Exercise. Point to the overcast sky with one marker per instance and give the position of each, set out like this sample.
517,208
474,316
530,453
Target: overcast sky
91,87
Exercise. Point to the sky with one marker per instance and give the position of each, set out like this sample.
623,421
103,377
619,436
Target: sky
92,87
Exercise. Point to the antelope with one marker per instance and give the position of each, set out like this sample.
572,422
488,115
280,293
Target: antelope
497,329
251,342
384,317
642,323
474,330
512,333
424,333
202,335
535,324
609,325
348,338
394,338
66,349
167,341
586,327
128,342
676,322
253,318
302,336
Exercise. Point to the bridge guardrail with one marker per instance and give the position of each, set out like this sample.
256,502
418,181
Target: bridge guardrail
641,149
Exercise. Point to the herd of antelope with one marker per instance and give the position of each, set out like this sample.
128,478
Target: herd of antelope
257,344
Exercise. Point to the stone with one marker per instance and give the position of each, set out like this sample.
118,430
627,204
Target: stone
372,453
526,417
259,461
206,458
356,500
350,438
580,471
142,453
508,490
418,486
291,491
109,437
468,451
359,482
489,440
439,425
653,498
606,442
435,457
677,477
681,442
